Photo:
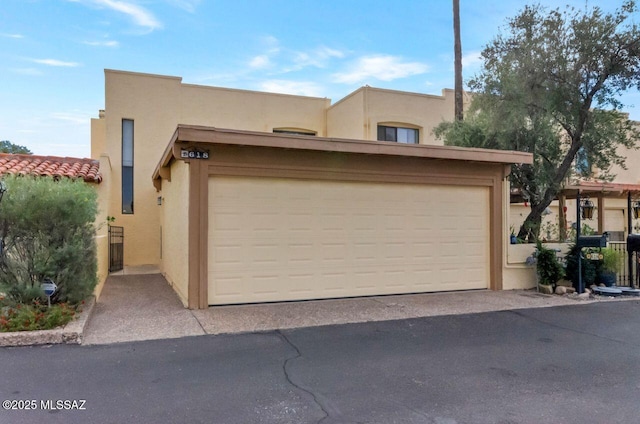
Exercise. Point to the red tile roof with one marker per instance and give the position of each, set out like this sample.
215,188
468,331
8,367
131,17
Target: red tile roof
87,169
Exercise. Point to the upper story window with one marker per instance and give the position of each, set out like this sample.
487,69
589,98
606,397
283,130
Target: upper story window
398,134
293,131
582,163
127,166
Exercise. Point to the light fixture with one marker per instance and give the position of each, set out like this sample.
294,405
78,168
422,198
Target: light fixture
636,209
586,208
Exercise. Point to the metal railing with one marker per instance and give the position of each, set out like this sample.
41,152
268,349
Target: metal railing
116,248
623,265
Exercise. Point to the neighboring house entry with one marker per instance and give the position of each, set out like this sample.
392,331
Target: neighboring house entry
116,248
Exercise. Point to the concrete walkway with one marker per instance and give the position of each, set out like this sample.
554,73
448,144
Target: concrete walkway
145,307
139,307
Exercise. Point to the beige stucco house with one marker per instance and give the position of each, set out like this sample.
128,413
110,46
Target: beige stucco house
241,196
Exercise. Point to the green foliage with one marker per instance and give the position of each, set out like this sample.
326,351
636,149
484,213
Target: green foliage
8,147
548,267
34,316
589,268
550,86
612,260
48,231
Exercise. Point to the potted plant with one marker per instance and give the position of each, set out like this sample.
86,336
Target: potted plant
512,238
548,268
609,266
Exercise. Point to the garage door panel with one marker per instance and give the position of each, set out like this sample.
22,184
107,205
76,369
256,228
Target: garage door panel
284,239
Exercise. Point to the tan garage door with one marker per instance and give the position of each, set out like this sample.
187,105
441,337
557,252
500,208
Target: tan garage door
286,239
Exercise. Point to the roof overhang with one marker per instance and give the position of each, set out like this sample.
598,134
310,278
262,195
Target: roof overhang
595,189
217,136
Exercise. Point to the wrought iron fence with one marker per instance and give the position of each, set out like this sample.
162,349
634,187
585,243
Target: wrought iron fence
116,248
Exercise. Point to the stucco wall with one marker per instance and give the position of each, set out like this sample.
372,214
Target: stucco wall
398,108
157,104
98,137
250,110
345,119
102,228
175,229
359,114
632,162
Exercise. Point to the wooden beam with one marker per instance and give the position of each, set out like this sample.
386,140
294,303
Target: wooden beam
600,214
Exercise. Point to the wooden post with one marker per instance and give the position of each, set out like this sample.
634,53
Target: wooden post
562,218
600,214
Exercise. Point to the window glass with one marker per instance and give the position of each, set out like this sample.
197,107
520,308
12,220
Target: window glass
407,135
127,189
127,166
398,134
127,142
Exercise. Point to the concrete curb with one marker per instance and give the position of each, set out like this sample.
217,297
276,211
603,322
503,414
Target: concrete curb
69,334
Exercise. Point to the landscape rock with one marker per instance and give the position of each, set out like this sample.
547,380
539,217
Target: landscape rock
561,290
564,283
545,289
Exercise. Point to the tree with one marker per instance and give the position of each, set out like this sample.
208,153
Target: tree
550,86
8,147
457,48
47,231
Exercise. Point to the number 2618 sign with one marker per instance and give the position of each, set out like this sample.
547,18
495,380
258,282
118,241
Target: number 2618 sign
194,154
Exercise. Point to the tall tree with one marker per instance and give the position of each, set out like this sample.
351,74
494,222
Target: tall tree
551,85
457,47
8,147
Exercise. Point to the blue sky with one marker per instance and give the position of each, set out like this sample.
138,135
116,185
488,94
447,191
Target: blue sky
53,52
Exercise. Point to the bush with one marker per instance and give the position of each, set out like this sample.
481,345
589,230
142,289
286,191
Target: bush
589,268
34,316
47,229
548,267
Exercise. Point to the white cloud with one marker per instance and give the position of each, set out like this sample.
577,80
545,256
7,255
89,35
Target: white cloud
27,71
55,62
141,16
317,58
260,62
12,35
188,5
380,67
472,60
271,42
110,43
76,118
301,88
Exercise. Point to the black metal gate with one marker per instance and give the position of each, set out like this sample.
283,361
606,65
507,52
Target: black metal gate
116,248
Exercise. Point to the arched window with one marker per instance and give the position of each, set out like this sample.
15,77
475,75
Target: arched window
398,134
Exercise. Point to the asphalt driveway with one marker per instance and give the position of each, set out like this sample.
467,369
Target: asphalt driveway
569,364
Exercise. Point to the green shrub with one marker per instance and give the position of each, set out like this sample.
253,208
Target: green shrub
47,228
548,267
589,268
34,316
611,260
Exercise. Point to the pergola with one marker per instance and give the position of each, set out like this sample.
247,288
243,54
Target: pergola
599,191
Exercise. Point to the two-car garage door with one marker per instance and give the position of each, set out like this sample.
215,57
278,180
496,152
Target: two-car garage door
272,239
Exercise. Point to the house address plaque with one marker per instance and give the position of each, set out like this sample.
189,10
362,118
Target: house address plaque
194,154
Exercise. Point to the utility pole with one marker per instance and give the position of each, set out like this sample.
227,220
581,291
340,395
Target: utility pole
458,61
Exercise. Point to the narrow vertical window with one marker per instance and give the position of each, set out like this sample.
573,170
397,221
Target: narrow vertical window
127,166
